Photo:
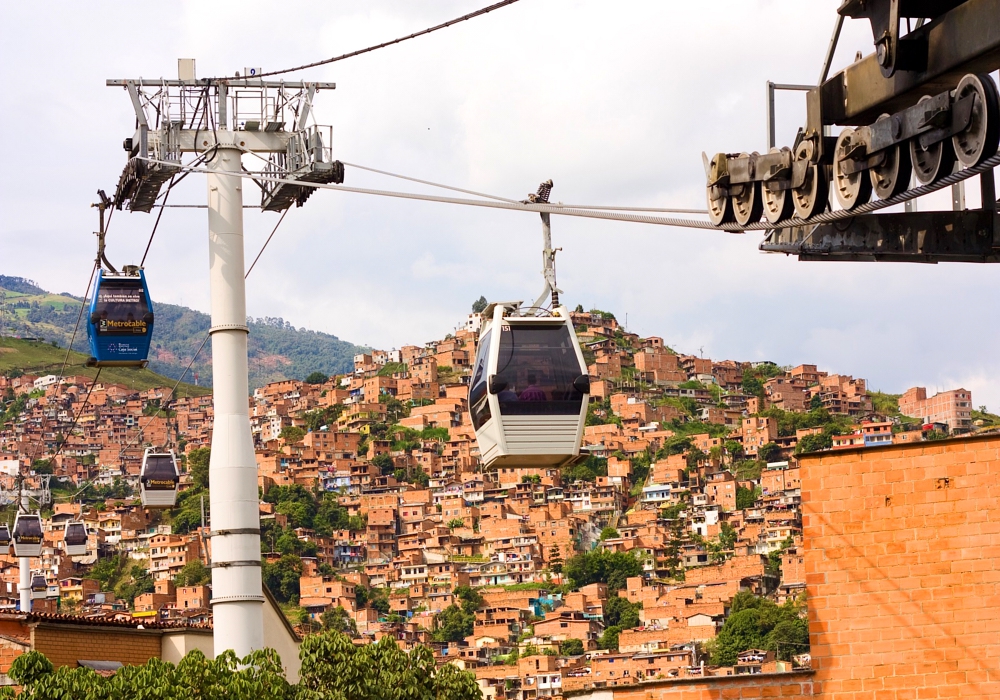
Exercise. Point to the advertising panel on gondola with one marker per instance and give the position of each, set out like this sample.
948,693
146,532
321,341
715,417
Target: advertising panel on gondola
121,320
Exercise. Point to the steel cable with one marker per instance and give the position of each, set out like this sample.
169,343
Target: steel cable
610,215
173,391
471,15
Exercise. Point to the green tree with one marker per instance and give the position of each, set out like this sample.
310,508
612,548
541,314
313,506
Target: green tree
384,463
609,533
740,632
734,449
609,640
757,623
316,378
813,443
479,305
621,612
727,535
339,620
471,599
282,577
599,566
194,573
769,452
323,416
746,498
198,466
292,434
453,624
571,647
456,522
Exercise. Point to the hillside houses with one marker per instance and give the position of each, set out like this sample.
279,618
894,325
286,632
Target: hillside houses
375,508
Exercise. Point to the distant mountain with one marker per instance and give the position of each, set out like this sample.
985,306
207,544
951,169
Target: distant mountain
277,350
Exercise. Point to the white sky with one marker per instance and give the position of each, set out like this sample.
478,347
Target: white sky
613,101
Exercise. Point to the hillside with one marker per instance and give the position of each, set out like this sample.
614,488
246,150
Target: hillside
277,349
35,357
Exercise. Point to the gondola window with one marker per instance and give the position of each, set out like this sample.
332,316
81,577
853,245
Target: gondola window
536,370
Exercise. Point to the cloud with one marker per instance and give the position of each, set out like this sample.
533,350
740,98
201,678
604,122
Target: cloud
615,103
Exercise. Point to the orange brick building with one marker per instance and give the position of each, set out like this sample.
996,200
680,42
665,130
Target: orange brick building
902,571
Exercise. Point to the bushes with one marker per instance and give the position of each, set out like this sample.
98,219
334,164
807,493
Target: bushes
332,667
757,623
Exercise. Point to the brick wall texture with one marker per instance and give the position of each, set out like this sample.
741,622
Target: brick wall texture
64,646
785,686
903,570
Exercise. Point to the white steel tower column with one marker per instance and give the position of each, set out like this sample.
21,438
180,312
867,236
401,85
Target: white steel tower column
24,564
235,520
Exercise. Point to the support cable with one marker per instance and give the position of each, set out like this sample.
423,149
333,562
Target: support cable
72,427
266,242
512,206
69,348
515,201
428,182
173,392
611,215
471,15
157,222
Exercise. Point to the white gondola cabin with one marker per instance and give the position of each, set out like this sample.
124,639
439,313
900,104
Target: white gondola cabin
27,535
4,537
39,588
75,538
158,479
530,388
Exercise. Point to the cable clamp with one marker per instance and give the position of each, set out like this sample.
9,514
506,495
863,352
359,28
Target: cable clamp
236,531
237,563
229,327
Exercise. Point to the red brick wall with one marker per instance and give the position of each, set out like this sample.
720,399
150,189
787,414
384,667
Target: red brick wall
903,569
64,646
787,686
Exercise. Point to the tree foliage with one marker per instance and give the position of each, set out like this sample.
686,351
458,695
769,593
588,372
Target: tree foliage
571,647
123,577
332,668
256,676
316,378
621,612
758,623
194,573
746,498
600,566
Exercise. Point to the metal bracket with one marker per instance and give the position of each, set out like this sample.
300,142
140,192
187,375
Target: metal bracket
235,531
228,327
228,564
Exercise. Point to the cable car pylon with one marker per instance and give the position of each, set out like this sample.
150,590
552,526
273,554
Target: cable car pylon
208,118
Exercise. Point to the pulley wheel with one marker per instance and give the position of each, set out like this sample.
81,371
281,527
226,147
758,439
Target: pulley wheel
747,204
934,163
811,198
979,140
893,175
720,210
777,203
852,189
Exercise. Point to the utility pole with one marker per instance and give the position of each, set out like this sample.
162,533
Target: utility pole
207,117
